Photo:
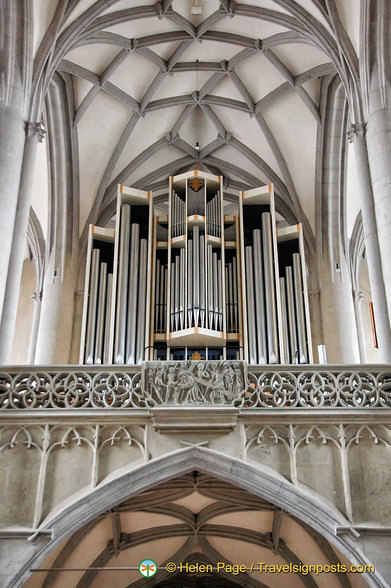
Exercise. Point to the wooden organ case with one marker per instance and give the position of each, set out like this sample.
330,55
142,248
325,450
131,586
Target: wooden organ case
196,283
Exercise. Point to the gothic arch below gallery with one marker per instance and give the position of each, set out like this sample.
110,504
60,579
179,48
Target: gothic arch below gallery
302,506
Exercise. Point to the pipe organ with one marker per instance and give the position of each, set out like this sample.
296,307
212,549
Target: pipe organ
195,282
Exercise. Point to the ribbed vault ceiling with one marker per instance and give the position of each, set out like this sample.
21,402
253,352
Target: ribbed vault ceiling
148,80
194,518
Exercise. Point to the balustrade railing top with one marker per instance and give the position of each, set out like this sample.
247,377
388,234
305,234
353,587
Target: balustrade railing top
195,383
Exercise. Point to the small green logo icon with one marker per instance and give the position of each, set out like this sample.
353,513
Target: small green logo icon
147,568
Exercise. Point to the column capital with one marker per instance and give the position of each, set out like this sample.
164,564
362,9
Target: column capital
358,295
35,128
37,296
358,130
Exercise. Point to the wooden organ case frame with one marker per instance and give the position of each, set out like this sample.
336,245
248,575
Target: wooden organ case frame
276,324
195,283
127,310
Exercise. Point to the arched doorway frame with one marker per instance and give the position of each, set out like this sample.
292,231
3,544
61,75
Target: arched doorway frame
296,501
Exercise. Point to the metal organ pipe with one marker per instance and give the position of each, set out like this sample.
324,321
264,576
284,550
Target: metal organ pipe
163,298
100,319
220,293
294,353
259,299
298,283
215,293
269,289
284,319
182,288
202,281
132,294
228,299
162,290
235,295
210,286
141,302
109,295
123,270
190,282
230,296
176,293
196,274
252,344
172,296
157,296
92,306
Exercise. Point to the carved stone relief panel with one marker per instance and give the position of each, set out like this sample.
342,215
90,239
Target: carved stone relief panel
192,383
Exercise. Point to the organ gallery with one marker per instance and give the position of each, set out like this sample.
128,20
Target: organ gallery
196,282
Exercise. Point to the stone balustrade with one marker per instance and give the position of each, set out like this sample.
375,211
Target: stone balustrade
196,383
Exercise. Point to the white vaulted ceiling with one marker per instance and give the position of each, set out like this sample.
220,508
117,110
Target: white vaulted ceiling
149,80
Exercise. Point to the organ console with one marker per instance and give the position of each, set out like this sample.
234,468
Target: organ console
196,283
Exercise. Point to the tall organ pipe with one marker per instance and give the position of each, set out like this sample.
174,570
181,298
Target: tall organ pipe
220,293
259,299
284,320
252,345
202,281
109,295
196,274
164,299
142,301
176,298
132,294
190,282
210,286
172,296
298,283
100,319
162,290
157,296
235,294
269,289
123,272
215,293
182,288
294,352
230,296
92,306
218,215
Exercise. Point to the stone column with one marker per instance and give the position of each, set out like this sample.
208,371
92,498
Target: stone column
358,297
12,140
372,243
338,319
16,36
57,312
379,152
37,300
35,133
